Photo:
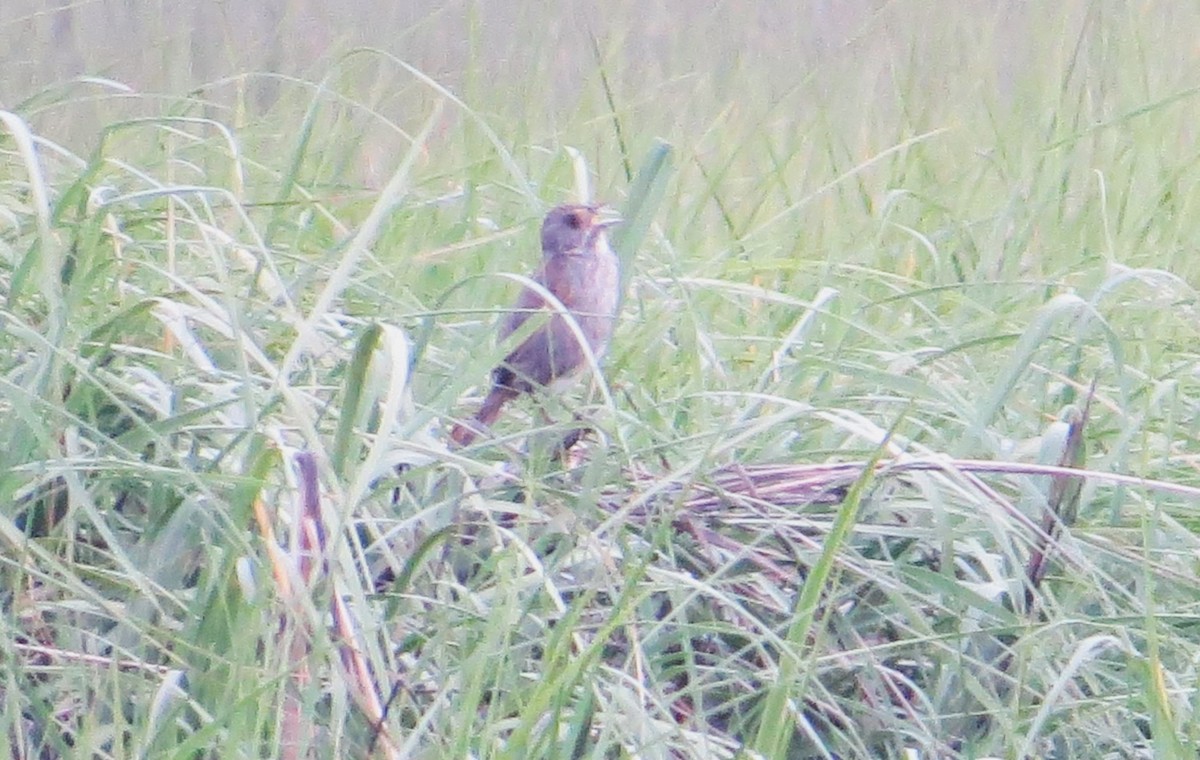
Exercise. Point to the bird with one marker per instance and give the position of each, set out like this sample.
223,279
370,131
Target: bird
581,271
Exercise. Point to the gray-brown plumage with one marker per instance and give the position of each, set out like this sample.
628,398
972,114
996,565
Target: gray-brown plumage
582,272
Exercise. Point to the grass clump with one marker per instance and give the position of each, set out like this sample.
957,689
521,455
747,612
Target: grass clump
845,409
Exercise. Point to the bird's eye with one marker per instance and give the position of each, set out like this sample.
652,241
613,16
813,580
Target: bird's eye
575,220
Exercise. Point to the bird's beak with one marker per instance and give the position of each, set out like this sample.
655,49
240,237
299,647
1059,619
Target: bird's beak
606,217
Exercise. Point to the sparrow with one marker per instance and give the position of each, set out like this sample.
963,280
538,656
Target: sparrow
579,269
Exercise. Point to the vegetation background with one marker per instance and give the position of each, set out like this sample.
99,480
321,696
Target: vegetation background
905,233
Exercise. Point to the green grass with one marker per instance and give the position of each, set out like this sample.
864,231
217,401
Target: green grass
917,232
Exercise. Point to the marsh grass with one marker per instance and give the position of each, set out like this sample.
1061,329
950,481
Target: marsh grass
918,252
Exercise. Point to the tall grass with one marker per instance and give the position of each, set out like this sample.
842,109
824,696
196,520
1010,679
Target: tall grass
889,247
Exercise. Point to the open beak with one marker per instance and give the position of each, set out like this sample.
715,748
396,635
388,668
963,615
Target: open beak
606,216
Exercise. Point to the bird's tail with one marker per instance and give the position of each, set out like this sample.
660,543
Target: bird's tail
465,432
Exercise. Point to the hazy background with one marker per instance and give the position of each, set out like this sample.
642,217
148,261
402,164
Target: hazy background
172,45
802,93
674,65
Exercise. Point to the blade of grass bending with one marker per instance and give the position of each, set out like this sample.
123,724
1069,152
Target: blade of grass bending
1065,306
1064,447
392,195
1065,491
355,381
568,660
610,99
775,729
645,194
45,257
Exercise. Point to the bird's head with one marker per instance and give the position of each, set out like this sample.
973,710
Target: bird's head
574,228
